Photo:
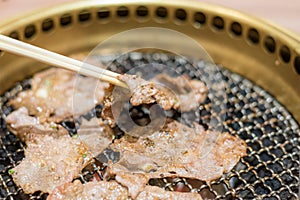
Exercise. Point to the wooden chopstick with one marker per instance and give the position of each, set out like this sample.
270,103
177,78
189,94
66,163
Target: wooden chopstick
21,48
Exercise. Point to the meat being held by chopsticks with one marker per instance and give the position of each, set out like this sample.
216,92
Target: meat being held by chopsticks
180,93
57,94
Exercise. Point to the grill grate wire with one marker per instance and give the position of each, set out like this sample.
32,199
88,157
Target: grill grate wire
269,171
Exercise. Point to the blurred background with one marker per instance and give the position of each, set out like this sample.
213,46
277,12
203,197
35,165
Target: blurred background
283,12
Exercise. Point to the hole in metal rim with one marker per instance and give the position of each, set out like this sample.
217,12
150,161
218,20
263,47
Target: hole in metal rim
14,35
103,13
297,64
29,31
200,18
253,36
218,23
161,12
65,20
123,11
270,44
142,11
47,25
181,14
84,16
285,54
236,28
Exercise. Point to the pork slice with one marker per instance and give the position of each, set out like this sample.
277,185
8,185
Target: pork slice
95,135
146,92
27,127
134,182
149,154
178,150
154,193
180,93
57,94
109,102
89,191
187,93
215,158
49,162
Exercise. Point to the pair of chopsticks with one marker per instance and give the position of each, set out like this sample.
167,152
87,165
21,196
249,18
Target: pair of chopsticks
24,49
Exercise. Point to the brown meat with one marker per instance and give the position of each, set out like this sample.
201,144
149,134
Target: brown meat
146,92
95,135
188,94
155,193
89,191
134,182
27,127
178,150
57,94
108,103
50,162
113,191
179,93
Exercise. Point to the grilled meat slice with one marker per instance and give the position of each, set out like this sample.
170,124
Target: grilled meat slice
27,128
153,193
181,151
49,162
89,191
57,94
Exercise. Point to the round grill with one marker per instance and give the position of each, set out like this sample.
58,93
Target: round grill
269,171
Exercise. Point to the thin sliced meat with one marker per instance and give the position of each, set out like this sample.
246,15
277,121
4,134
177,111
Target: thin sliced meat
50,162
155,193
188,94
180,93
178,150
56,94
146,92
134,182
95,135
108,103
89,191
27,127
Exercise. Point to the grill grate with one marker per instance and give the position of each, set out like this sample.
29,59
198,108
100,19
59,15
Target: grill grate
269,171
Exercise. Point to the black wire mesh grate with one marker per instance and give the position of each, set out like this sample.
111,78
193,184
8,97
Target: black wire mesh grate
269,171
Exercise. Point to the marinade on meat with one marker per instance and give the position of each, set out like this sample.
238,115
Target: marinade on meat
27,128
49,162
56,94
